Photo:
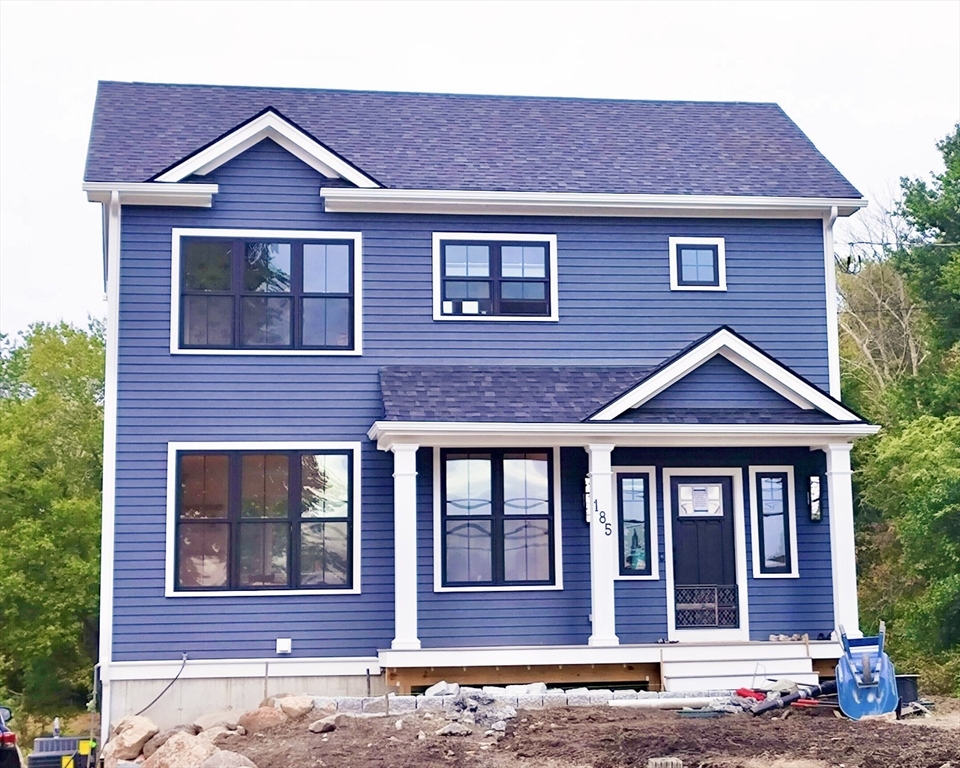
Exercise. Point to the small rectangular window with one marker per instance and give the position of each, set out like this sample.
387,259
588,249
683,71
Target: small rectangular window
633,503
773,522
697,264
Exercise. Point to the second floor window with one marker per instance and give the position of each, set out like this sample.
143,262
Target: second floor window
269,294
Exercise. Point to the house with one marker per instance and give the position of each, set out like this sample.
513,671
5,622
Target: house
405,387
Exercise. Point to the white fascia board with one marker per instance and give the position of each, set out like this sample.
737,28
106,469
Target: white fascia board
214,669
763,368
152,193
505,435
338,200
268,126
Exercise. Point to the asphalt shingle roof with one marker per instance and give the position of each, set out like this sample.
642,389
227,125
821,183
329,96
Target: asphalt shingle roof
495,143
542,394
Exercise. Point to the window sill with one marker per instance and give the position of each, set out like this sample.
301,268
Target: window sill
497,318
494,588
791,575
264,593
638,577
270,352
698,288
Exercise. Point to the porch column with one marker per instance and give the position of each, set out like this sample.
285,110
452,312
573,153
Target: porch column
843,552
603,556
405,547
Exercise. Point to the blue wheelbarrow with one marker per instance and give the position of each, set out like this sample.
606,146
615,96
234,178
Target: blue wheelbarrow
866,680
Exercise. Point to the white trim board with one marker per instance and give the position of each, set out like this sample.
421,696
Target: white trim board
152,193
557,538
444,201
551,241
281,234
746,357
174,448
269,125
652,515
218,669
718,243
741,633
790,493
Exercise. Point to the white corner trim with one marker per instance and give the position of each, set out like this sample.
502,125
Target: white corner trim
758,573
406,574
551,241
152,193
741,354
109,503
170,565
268,126
654,554
557,536
443,201
718,242
178,233
219,669
833,330
740,549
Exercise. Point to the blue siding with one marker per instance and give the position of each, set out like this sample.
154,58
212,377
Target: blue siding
615,308
718,383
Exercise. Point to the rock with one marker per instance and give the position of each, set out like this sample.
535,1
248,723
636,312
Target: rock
530,702
227,718
157,741
129,736
625,695
350,705
600,697
295,706
495,690
325,702
322,726
552,699
443,688
225,759
500,726
260,719
534,688
454,729
181,750
274,701
421,736
210,734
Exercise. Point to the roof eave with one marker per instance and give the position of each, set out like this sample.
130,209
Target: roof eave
152,193
345,200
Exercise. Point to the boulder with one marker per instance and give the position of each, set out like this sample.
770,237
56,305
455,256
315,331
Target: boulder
227,718
454,729
224,758
260,719
157,741
295,706
181,750
443,688
129,736
324,725
210,734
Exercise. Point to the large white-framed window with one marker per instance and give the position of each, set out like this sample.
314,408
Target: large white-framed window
635,505
495,276
698,264
497,520
266,292
262,518
773,522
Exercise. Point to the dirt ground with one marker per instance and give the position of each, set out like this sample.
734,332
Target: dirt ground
606,737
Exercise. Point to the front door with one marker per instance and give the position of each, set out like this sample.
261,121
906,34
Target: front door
704,555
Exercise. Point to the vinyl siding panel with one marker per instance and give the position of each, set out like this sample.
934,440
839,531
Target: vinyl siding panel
615,308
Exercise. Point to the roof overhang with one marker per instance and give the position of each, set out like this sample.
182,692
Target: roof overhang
744,355
341,200
152,193
269,124
508,435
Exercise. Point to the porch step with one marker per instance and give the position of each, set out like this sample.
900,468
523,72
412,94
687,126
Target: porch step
731,674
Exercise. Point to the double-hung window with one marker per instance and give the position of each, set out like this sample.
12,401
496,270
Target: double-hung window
484,276
698,264
266,292
496,519
263,520
774,522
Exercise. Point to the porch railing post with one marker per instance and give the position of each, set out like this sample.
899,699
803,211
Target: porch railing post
603,550
843,552
405,547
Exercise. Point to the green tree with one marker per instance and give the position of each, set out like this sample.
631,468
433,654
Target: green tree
51,438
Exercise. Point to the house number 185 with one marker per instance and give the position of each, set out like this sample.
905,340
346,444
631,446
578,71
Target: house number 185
602,519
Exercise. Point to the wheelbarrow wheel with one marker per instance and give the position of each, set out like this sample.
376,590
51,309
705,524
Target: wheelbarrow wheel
867,670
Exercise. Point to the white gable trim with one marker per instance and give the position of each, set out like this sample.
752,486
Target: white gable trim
744,356
269,125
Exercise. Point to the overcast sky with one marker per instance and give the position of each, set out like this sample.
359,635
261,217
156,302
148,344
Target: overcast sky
873,84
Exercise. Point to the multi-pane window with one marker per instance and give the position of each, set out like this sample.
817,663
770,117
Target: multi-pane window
698,264
497,518
242,293
495,278
264,520
773,522
633,502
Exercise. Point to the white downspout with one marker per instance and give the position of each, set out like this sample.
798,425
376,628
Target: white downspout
833,332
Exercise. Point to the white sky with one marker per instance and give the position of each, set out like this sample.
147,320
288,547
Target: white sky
873,84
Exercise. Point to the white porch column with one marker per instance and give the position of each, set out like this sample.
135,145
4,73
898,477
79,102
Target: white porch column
603,555
405,547
843,552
